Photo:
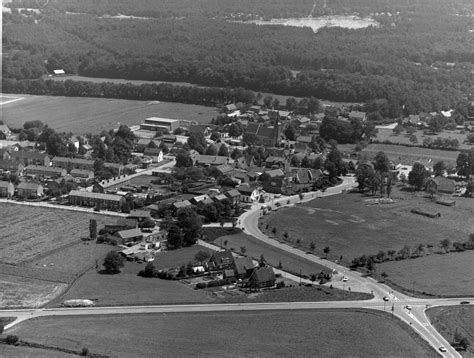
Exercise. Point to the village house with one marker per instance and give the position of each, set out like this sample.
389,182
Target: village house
249,194
45,172
139,215
221,260
156,154
234,196
243,267
29,190
99,200
13,167
211,160
7,189
82,176
268,136
30,157
441,185
5,154
73,163
130,235
180,205
362,116
160,124
262,277
5,132
115,168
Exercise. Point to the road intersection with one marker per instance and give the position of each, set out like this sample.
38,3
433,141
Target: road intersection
397,302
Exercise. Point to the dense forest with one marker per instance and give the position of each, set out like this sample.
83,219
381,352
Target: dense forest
419,58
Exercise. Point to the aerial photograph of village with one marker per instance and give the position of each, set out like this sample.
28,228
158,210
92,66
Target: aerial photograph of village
237,178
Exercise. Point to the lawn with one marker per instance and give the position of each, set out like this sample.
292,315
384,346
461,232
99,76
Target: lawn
448,320
26,352
352,228
274,256
316,333
439,274
92,115
27,292
26,232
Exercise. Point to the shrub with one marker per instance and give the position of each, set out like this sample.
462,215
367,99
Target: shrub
201,285
214,283
280,284
85,351
12,339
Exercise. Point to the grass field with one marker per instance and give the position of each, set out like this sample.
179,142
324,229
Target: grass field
323,333
446,275
449,319
351,228
92,115
128,288
403,138
273,255
26,232
28,352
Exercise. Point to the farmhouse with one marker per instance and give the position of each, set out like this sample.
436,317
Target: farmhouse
221,260
13,167
29,190
7,189
131,235
249,194
243,266
46,172
102,201
30,157
234,196
156,154
139,215
115,168
163,124
362,116
5,132
211,160
441,184
262,277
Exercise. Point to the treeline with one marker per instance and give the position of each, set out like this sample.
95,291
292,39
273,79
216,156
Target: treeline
207,96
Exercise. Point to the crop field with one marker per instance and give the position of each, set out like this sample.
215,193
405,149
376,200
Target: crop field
352,228
27,292
274,256
316,333
439,274
448,320
387,134
26,232
92,115
409,155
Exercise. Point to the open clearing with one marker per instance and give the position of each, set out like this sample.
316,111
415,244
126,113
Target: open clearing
351,228
273,256
26,232
323,333
442,274
449,319
92,115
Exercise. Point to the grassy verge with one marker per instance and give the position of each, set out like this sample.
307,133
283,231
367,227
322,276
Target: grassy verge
316,333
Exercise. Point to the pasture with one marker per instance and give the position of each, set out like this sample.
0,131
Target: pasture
352,228
448,320
273,256
315,333
26,232
438,274
92,115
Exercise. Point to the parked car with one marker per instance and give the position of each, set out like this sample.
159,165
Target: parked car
442,349
408,307
385,298
464,302
345,279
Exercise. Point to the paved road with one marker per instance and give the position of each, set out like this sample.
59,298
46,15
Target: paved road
415,317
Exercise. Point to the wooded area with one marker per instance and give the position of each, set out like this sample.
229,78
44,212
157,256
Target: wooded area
419,58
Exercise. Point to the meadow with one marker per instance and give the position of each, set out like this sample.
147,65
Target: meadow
92,115
448,320
315,333
352,228
438,274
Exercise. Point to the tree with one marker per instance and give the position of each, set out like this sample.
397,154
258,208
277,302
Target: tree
417,176
384,275
93,229
290,133
398,129
381,162
202,256
149,270
197,142
445,245
113,262
312,246
183,160
211,150
326,251
236,129
175,237
223,151
243,250
439,168
190,224
413,139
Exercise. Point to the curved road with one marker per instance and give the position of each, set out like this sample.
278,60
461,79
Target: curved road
414,317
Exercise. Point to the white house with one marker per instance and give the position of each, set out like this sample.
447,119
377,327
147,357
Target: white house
249,193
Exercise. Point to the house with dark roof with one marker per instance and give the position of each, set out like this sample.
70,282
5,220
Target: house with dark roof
234,196
30,157
277,162
115,168
5,154
362,116
221,260
7,189
261,277
139,215
156,154
250,194
130,235
5,132
29,190
243,267
181,204
200,128
99,200
14,167
73,163
45,172
305,139
230,107
211,160
441,184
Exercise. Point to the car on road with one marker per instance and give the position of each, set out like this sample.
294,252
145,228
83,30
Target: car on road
385,298
408,307
442,349
464,302
345,279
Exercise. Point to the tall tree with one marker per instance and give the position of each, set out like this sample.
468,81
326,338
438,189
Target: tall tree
417,176
381,162
93,229
113,262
